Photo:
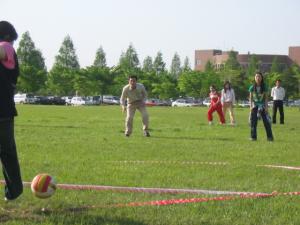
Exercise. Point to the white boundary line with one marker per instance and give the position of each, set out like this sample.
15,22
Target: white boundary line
168,162
281,167
145,190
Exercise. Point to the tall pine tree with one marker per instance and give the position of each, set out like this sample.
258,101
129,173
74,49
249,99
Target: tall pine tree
62,75
186,65
148,65
100,59
158,64
129,61
67,57
175,68
33,72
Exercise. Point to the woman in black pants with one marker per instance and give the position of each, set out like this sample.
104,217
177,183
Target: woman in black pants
9,72
259,107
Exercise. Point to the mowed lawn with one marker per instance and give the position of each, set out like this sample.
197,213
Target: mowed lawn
86,145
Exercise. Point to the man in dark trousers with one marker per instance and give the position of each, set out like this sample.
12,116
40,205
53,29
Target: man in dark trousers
278,94
9,72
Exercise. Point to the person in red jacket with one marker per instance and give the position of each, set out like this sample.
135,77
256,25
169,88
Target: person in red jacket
215,105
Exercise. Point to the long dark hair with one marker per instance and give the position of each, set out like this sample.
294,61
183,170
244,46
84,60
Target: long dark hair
224,86
262,83
212,86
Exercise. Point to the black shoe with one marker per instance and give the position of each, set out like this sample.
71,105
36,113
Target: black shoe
252,139
270,139
146,134
127,135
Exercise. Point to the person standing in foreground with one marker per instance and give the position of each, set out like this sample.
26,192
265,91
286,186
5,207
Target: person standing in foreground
228,101
9,72
215,105
258,98
278,94
135,94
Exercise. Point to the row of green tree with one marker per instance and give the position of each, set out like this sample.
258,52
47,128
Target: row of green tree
67,78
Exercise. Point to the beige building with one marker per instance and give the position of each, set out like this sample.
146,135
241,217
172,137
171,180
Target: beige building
219,57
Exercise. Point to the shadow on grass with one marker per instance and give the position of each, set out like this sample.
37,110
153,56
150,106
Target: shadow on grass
66,216
48,126
75,214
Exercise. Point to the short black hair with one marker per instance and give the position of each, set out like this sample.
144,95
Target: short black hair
278,80
133,76
7,32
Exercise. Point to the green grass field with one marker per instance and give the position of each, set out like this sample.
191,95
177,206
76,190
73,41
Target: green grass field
86,145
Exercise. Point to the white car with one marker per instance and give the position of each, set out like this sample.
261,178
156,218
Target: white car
111,100
206,102
67,99
182,103
77,100
24,98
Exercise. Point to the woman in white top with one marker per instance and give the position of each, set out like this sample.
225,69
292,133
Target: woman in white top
228,100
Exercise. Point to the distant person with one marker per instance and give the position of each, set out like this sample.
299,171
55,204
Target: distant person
278,94
215,105
9,72
258,98
135,94
228,100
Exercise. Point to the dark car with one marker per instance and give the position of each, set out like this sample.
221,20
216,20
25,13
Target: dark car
50,100
42,100
58,101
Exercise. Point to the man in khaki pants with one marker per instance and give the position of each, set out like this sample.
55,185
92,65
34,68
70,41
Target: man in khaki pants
135,94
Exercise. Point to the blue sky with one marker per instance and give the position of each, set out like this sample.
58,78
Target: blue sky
169,26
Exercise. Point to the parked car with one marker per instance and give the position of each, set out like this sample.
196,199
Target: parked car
296,103
165,103
24,99
92,100
67,99
206,102
77,100
152,102
43,100
50,100
288,102
57,101
110,100
244,103
181,102
270,103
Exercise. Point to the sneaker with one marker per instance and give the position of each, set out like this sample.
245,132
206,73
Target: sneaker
210,123
127,135
252,139
270,139
146,134
6,200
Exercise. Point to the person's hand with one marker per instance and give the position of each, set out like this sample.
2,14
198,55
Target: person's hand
266,109
123,108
